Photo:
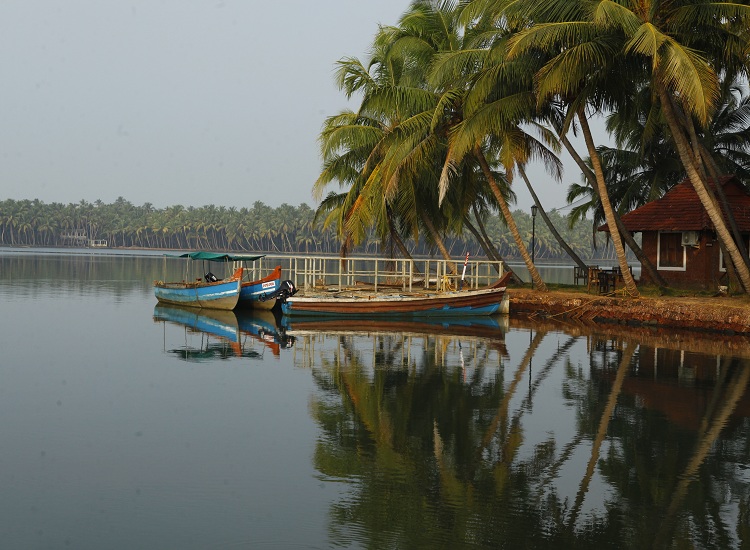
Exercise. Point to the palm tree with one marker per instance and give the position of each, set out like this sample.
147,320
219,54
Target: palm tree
494,106
677,48
382,151
431,30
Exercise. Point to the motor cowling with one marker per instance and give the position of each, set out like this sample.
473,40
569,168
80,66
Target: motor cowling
285,290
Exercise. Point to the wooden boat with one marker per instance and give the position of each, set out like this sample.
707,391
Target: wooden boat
253,293
388,304
219,294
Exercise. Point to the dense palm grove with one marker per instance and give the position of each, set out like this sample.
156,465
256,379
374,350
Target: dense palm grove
459,98
284,229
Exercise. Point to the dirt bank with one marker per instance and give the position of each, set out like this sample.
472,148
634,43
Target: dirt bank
713,314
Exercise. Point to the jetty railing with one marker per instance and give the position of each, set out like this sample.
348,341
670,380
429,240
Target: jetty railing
309,272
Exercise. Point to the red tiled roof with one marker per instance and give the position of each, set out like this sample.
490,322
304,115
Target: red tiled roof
681,210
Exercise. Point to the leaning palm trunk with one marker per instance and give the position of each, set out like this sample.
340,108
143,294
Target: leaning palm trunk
601,433
713,169
701,189
438,242
646,264
485,246
396,239
549,223
512,227
488,248
607,206
704,164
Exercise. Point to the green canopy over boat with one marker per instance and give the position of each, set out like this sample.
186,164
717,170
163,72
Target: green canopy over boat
218,257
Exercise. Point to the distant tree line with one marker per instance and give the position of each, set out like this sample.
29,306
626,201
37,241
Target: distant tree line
285,229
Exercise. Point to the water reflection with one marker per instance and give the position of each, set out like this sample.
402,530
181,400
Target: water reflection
445,443
477,434
59,274
215,334
624,438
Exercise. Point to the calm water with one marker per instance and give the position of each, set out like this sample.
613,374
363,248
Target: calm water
126,425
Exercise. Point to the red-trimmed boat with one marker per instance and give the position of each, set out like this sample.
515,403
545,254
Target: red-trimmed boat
218,293
254,293
358,304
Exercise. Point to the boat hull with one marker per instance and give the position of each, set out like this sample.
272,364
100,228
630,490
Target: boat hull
444,304
252,291
218,295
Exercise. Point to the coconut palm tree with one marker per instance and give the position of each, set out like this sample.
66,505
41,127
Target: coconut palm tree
676,48
429,31
494,106
384,151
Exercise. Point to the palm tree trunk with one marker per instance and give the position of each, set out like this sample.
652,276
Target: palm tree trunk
701,189
713,169
646,264
549,223
512,227
609,215
396,239
484,242
438,241
601,433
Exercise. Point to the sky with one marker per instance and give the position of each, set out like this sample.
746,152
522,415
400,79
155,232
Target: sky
179,101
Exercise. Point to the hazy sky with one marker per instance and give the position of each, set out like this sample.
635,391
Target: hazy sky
177,101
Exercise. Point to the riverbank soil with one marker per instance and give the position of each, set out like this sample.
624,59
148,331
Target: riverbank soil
725,314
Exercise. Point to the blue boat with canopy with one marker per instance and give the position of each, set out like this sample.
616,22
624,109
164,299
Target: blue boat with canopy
209,291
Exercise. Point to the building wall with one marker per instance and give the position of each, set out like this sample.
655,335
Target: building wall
701,264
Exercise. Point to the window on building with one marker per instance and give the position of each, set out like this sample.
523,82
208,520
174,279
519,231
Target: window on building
671,253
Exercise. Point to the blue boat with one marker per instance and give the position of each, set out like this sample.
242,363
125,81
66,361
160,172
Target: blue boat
254,293
209,291
219,294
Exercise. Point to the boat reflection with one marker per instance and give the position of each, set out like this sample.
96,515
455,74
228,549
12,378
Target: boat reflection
216,334
464,336
492,327
264,326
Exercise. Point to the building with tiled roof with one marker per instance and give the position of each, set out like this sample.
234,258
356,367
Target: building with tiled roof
679,238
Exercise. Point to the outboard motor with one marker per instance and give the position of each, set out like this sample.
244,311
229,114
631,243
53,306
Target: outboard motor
285,290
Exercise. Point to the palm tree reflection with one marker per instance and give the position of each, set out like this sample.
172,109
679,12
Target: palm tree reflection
435,449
